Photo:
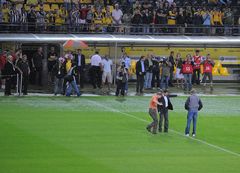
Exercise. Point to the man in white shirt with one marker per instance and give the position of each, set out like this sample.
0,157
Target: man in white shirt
96,73
107,71
117,16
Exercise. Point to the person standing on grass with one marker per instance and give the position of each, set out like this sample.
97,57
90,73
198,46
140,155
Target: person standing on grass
197,58
23,65
179,75
59,71
80,63
166,70
71,82
51,61
208,64
107,72
127,63
37,65
96,73
172,62
163,111
148,77
121,79
8,72
193,104
140,72
152,127
187,70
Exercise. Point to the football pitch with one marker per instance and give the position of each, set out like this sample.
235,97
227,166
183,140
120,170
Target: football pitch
107,135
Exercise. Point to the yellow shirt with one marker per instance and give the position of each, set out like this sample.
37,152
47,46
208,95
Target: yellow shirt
107,20
63,14
68,65
5,13
216,17
34,2
58,18
98,18
171,18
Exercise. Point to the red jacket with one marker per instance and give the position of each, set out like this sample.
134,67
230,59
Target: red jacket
197,61
187,67
3,61
207,66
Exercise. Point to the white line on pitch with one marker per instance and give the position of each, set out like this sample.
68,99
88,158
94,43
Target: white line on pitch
174,131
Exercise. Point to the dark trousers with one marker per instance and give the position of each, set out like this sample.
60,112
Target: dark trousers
96,76
155,77
37,76
120,87
196,76
163,115
80,77
140,83
8,85
25,84
153,125
170,82
205,76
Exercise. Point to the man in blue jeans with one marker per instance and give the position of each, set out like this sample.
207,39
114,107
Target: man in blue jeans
71,82
193,105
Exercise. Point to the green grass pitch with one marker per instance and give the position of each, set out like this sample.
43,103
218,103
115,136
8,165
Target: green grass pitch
108,135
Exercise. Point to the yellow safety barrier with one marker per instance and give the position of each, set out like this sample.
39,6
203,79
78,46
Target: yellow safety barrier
224,71
215,71
218,64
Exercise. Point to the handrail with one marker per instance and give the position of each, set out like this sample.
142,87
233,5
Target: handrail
131,29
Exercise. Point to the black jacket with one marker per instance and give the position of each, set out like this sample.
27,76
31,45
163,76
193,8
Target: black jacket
24,67
59,71
149,68
82,60
139,68
171,60
8,70
163,107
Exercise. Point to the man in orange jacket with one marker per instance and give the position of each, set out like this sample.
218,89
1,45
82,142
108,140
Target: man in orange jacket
152,127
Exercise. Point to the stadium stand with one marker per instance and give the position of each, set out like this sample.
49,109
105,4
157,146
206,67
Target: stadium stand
159,17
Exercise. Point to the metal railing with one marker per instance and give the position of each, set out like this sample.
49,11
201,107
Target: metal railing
147,29
19,79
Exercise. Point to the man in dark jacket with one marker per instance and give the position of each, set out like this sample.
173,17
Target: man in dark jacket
171,60
8,73
193,104
148,77
155,73
51,61
37,65
59,72
80,63
24,67
140,72
163,111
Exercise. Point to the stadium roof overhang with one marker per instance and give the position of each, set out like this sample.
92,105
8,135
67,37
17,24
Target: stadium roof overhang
130,39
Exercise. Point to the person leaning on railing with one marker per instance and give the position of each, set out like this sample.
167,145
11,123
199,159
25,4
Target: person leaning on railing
5,13
98,20
107,21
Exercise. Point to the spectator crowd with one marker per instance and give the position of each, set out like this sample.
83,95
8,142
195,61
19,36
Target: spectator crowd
130,16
